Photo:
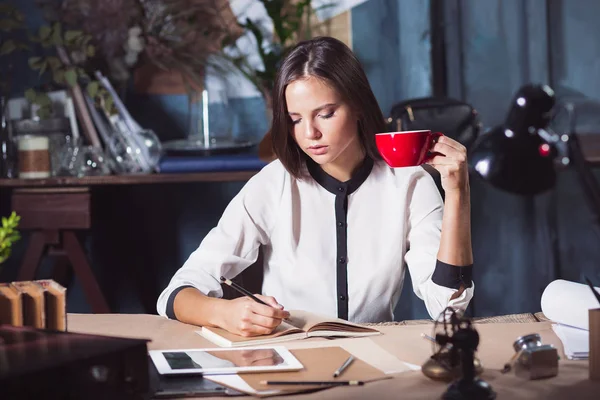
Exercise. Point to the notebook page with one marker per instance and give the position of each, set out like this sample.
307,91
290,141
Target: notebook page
576,342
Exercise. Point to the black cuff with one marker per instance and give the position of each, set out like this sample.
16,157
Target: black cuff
452,276
170,311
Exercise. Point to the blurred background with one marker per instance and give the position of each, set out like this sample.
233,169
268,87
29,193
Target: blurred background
476,51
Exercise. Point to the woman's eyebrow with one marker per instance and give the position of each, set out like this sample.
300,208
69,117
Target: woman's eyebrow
316,109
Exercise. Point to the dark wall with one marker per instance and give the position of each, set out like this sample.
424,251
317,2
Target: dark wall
493,47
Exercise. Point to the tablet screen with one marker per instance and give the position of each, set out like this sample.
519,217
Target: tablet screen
207,361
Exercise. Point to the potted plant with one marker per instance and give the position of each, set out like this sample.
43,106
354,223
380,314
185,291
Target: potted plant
292,22
8,235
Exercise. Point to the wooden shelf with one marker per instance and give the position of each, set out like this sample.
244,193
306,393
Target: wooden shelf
142,179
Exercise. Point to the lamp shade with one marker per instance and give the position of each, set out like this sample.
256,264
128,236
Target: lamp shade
513,156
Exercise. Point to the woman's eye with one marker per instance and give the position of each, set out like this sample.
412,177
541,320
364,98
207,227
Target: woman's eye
296,122
326,116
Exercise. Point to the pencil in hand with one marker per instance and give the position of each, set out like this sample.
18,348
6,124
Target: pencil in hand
243,291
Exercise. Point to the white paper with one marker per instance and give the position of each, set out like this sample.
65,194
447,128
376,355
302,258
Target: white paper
576,342
568,303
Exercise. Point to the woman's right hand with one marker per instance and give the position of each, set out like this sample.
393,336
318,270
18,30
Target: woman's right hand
246,317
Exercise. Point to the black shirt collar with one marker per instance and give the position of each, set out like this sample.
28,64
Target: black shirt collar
333,185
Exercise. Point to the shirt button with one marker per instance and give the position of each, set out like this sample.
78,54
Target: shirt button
342,260
340,224
340,189
342,297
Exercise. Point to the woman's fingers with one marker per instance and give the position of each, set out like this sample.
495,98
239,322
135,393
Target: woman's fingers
449,151
270,300
451,143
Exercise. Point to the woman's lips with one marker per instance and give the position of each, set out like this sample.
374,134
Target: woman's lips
318,150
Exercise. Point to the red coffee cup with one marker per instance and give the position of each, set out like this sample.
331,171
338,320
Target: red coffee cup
406,149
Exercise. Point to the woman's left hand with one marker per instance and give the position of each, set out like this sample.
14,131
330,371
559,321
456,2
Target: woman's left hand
451,162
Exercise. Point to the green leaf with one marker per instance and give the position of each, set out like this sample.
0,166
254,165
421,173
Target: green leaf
45,32
54,63
4,222
57,34
70,36
71,77
8,47
43,100
92,89
45,112
14,238
43,67
30,95
58,76
91,51
35,62
109,103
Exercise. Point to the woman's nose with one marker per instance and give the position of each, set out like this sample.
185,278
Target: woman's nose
312,132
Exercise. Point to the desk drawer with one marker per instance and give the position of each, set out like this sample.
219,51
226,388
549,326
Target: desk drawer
48,210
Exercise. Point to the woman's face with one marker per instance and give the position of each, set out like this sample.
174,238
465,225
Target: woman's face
323,125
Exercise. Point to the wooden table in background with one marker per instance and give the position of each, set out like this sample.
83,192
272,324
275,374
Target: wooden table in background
53,209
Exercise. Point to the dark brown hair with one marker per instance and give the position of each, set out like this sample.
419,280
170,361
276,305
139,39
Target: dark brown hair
332,61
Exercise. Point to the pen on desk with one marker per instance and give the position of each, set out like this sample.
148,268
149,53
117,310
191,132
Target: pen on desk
314,383
508,366
426,336
432,340
345,365
592,287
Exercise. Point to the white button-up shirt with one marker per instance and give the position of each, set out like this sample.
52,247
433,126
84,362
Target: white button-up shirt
315,230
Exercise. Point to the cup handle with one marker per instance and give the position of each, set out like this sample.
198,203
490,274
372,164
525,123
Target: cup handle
434,136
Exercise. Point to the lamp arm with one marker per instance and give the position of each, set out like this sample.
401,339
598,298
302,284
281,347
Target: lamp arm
588,181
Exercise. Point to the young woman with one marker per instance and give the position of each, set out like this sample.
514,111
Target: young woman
336,225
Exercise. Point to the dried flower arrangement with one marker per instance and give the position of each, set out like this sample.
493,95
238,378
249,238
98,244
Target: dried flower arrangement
176,35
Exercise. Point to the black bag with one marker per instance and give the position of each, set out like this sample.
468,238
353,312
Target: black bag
454,118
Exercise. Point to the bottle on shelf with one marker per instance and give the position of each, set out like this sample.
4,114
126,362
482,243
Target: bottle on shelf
7,147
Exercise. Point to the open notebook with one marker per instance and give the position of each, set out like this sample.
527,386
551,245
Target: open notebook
302,324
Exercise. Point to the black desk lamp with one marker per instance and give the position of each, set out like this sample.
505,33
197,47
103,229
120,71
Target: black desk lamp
520,156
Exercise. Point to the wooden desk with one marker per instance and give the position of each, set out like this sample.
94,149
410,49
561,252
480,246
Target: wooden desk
53,209
401,340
